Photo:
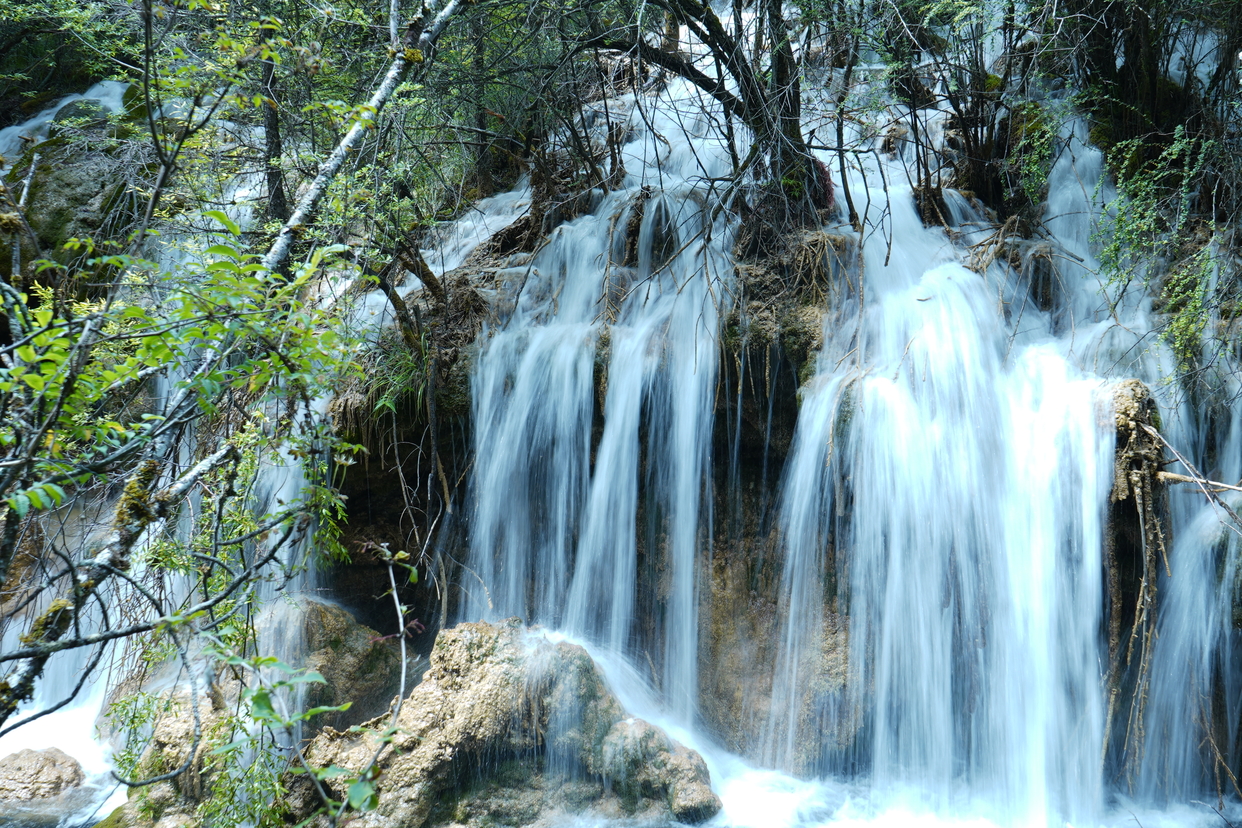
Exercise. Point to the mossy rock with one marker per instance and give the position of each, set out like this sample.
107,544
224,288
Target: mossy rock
121,817
359,667
74,192
135,103
83,112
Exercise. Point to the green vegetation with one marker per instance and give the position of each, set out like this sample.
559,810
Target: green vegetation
150,399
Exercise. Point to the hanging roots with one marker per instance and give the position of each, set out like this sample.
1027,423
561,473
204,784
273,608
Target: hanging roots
1135,550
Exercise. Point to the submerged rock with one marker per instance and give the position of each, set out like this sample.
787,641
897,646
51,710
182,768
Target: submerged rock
509,727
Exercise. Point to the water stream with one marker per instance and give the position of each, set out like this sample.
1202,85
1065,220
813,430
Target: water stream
941,515
942,512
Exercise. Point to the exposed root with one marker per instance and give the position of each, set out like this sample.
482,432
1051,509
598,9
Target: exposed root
808,267
1135,549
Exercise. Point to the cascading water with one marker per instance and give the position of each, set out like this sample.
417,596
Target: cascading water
944,509
553,529
942,513
74,727
14,139
974,475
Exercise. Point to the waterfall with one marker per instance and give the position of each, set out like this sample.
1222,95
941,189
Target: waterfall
553,537
75,727
943,512
13,139
941,521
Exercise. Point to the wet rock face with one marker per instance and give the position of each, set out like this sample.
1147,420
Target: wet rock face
74,191
358,667
37,774
503,715
643,762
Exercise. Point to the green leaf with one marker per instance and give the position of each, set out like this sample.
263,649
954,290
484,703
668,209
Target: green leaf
315,711
20,504
232,746
261,705
228,223
362,796
308,677
55,492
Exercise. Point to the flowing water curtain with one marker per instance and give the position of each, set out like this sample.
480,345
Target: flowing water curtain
566,552
959,488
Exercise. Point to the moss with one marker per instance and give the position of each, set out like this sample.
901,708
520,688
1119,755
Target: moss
133,513
51,624
119,818
377,657
1101,135
732,337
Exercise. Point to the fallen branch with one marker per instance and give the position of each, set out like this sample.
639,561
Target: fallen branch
1206,486
1172,477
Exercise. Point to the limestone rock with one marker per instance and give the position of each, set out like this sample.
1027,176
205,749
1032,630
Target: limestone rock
642,761
500,698
172,803
38,774
357,666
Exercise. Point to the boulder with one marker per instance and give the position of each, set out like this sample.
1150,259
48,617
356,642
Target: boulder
37,774
641,760
84,113
75,192
358,665
504,712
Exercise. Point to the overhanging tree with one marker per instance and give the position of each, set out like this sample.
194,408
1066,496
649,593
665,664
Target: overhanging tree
82,420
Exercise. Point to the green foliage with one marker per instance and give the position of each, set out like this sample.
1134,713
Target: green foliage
1032,134
265,339
1147,229
53,46
133,715
1150,214
1185,293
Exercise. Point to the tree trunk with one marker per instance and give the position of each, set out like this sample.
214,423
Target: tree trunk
277,204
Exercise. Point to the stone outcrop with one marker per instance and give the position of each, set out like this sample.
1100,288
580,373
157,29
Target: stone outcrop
44,789
643,762
508,726
358,666
76,191
37,774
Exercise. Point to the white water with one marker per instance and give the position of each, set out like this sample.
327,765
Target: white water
14,139
563,522
948,485
951,447
75,727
